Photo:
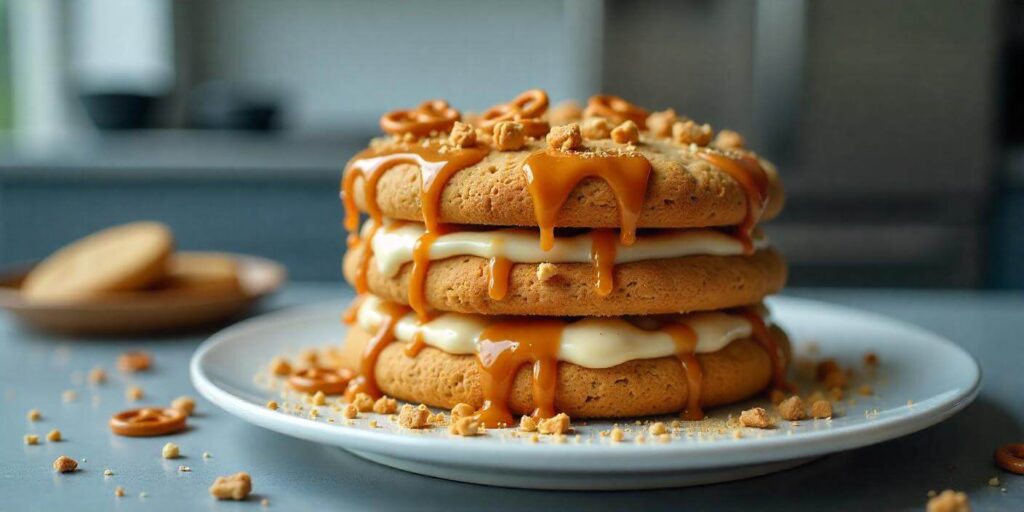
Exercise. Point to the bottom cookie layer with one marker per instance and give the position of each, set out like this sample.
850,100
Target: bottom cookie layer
635,388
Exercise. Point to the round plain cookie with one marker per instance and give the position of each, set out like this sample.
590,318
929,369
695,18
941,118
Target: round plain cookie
641,387
683,191
671,285
122,258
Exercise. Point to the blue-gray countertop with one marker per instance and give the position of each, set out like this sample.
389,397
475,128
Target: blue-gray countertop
297,475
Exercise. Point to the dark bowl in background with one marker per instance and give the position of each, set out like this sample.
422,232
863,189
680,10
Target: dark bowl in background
119,111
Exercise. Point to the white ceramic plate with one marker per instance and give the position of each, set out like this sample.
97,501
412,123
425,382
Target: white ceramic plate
922,380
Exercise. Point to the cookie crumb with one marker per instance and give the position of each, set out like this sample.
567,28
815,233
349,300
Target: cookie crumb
108,472
280,366
626,133
34,415
185,404
729,139
546,271
350,411
755,418
119,491
567,137
184,469
462,135
134,393
462,410
596,128
871,359
821,409
508,136
134,361
31,439
65,464
318,398
170,451
616,435
69,396
688,132
97,375
660,123
413,417
527,424
558,424
363,402
465,426
657,428
272,405
993,482
792,409
234,487
53,436
385,405
265,502
949,501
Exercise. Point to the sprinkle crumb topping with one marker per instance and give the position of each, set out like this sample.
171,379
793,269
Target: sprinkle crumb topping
948,501
65,464
756,417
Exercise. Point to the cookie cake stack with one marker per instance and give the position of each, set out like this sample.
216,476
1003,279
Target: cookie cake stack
602,263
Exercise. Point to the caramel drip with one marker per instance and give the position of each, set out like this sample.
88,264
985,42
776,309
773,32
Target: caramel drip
686,343
366,381
497,283
349,317
418,276
413,348
761,334
435,170
551,176
748,172
602,254
502,349
361,284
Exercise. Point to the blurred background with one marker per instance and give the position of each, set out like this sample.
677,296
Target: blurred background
898,126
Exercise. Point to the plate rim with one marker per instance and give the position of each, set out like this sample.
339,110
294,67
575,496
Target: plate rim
639,457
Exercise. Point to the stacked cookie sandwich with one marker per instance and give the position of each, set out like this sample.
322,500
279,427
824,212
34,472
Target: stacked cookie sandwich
607,265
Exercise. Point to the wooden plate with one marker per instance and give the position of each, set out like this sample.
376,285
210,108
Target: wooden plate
144,312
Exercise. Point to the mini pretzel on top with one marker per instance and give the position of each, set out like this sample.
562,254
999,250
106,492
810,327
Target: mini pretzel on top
430,116
526,109
616,110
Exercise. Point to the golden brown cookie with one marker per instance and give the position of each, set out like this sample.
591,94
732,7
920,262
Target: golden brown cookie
683,191
636,388
122,258
672,285
201,274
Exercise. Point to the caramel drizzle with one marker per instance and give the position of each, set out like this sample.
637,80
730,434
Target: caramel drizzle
366,381
602,254
765,339
436,168
413,348
502,349
499,269
686,344
751,176
551,176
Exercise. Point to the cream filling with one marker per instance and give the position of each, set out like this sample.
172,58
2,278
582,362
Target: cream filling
591,342
393,245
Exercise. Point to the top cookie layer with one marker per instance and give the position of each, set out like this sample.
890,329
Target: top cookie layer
683,191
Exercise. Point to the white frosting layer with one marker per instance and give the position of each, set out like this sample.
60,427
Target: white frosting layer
393,246
591,342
